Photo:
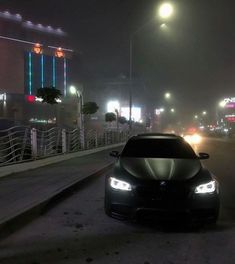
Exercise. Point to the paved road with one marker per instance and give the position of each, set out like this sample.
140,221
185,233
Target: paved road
78,231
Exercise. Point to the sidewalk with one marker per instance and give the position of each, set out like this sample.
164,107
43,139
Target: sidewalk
24,195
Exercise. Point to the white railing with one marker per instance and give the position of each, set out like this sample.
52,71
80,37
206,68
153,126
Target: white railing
18,144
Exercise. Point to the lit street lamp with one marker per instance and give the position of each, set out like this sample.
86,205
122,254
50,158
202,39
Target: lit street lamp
204,113
165,11
74,91
167,96
172,110
222,104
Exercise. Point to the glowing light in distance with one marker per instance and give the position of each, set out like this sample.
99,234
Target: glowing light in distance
136,113
222,103
194,139
167,95
112,106
165,10
72,89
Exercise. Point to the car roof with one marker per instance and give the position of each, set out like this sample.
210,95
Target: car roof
156,135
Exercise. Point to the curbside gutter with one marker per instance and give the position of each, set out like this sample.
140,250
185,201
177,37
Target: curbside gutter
30,165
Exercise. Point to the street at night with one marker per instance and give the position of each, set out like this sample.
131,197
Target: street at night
77,230
117,132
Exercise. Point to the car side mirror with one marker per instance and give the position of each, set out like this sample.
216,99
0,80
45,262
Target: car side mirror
203,156
114,154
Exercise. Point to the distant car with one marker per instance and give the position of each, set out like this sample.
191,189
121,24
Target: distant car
159,176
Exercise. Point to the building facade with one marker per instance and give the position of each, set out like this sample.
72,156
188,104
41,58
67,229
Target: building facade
32,56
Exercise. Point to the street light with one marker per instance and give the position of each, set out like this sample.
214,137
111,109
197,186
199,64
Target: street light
172,110
204,113
74,91
222,104
167,96
165,11
196,116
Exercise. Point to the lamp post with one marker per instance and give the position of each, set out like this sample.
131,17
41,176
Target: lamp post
78,93
80,120
164,12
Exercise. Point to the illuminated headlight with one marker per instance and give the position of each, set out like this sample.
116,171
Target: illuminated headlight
119,185
209,187
196,139
193,139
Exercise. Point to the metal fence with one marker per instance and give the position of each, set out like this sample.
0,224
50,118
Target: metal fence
18,144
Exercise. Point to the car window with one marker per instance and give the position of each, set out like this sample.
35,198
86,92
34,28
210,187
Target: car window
158,148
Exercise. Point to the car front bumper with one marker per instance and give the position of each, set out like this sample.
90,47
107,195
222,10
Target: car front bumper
128,205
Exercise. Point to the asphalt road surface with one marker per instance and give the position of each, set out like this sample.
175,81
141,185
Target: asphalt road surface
78,231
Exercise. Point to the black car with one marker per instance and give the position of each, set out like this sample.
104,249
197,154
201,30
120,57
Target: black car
159,176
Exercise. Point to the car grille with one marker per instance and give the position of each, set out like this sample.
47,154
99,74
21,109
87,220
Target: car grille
163,190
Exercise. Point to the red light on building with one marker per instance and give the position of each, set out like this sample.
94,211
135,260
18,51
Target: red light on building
231,119
59,53
37,48
30,98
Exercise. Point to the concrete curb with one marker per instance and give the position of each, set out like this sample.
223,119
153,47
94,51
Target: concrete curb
20,167
21,218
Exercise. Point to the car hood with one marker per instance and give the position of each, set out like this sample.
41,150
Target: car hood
160,169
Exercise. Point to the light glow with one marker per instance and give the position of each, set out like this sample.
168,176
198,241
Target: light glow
3,97
194,139
209,187
119,185
112,106
165,10
31,98
37,48
59,53
167,95
73,90
136,113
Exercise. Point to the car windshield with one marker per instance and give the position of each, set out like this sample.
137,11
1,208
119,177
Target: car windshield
158,148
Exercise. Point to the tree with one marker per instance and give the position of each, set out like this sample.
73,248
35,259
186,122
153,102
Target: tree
89,108
49,95
122,120
110,117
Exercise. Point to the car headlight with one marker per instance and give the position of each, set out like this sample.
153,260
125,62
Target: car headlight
119,185
209,187
193,139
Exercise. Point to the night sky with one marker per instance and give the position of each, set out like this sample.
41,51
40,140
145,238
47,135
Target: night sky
194,58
